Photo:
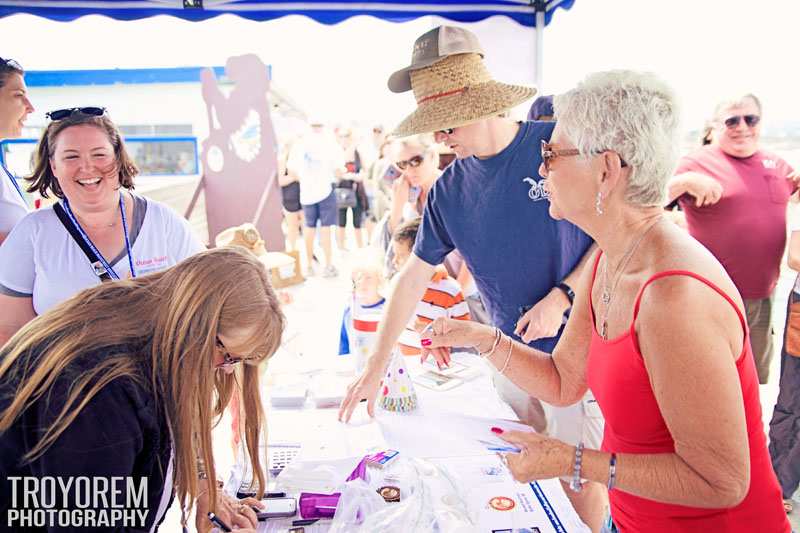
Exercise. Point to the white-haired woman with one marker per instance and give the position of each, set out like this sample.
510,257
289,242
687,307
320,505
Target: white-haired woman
657,332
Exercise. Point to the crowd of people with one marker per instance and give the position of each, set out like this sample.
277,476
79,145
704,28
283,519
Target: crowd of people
573,286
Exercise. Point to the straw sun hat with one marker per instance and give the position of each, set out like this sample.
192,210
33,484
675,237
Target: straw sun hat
451,84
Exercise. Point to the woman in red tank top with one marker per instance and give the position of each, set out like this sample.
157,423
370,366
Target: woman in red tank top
656,332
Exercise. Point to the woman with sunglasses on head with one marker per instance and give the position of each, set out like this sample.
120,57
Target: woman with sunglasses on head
97,231
657,332
14,110
126,379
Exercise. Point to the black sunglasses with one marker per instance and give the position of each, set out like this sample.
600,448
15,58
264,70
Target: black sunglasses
750,120
414,162
61,114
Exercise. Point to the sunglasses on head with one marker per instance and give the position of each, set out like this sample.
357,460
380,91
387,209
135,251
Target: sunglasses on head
750,120
60,114
549,153
10,63
414,162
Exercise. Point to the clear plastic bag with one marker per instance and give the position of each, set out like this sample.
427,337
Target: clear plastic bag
429,502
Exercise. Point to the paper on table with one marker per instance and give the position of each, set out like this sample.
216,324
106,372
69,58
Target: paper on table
445,434
502,504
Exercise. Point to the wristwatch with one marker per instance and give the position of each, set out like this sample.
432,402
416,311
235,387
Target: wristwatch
566,289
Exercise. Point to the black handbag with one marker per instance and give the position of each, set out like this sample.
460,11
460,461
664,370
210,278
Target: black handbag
345,195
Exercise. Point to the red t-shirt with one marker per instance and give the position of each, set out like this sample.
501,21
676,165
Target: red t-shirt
746,229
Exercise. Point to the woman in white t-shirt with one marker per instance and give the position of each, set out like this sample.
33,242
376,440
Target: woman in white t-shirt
81,159
14,110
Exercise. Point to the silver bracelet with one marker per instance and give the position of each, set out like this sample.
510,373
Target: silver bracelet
612,471
508,357
497,335
575,482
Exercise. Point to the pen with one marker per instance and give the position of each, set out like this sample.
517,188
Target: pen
306,522
219,523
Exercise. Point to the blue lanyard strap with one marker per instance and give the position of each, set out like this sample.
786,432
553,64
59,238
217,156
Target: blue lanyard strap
14,181
111,272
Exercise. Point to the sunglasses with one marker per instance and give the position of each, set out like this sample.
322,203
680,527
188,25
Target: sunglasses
10,63
549,153
414,162
750,120
227,359
61,114
447,131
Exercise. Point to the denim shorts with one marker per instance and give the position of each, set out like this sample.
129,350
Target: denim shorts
325,212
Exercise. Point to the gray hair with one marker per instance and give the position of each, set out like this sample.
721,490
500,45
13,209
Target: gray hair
632,113
735,100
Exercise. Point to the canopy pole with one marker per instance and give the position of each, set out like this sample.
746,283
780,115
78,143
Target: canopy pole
538,65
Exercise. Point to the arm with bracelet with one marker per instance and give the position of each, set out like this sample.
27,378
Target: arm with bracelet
689,476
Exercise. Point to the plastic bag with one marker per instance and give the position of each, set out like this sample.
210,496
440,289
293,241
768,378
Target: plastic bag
430,501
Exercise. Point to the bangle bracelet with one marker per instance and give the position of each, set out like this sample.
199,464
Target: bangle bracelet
575,482
508,357
497,335
612,471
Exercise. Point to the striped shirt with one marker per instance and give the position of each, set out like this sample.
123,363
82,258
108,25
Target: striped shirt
442,298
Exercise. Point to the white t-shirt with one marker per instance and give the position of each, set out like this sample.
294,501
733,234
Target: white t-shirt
314,160
41,259
12,207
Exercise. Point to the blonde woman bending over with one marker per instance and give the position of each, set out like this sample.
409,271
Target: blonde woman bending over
125,379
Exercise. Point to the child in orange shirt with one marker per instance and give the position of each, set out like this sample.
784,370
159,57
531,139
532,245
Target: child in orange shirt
443,297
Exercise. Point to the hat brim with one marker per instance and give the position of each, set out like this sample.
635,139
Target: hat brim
476,103
400,81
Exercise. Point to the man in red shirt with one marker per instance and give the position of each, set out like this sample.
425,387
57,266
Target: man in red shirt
734,196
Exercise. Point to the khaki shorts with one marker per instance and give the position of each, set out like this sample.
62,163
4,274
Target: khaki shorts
759,322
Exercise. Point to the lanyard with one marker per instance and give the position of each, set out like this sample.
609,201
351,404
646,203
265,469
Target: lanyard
14,181
91,245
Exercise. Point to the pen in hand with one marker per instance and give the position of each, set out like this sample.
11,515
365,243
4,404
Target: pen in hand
219,523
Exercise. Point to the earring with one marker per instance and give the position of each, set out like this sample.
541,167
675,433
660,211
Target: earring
598,203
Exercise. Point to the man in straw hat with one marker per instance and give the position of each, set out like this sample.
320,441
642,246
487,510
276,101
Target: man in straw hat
492,205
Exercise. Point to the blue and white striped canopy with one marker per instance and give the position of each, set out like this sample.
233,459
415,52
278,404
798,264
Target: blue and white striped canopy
323,11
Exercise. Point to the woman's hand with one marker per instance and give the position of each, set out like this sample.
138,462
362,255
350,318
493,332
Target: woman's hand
237,514
540,457
443,333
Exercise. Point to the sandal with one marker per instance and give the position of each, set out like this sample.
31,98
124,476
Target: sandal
788,506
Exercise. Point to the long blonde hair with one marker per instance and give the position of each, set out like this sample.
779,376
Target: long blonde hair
166,323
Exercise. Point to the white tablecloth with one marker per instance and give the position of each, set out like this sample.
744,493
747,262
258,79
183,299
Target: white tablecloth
440,431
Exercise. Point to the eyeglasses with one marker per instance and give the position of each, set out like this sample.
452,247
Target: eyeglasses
549,153
10,63
751,121
227,359
447,131
60,114
414,162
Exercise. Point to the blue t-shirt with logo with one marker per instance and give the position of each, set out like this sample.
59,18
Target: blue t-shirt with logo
495,212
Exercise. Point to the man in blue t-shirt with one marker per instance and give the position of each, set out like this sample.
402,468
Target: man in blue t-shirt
491,205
